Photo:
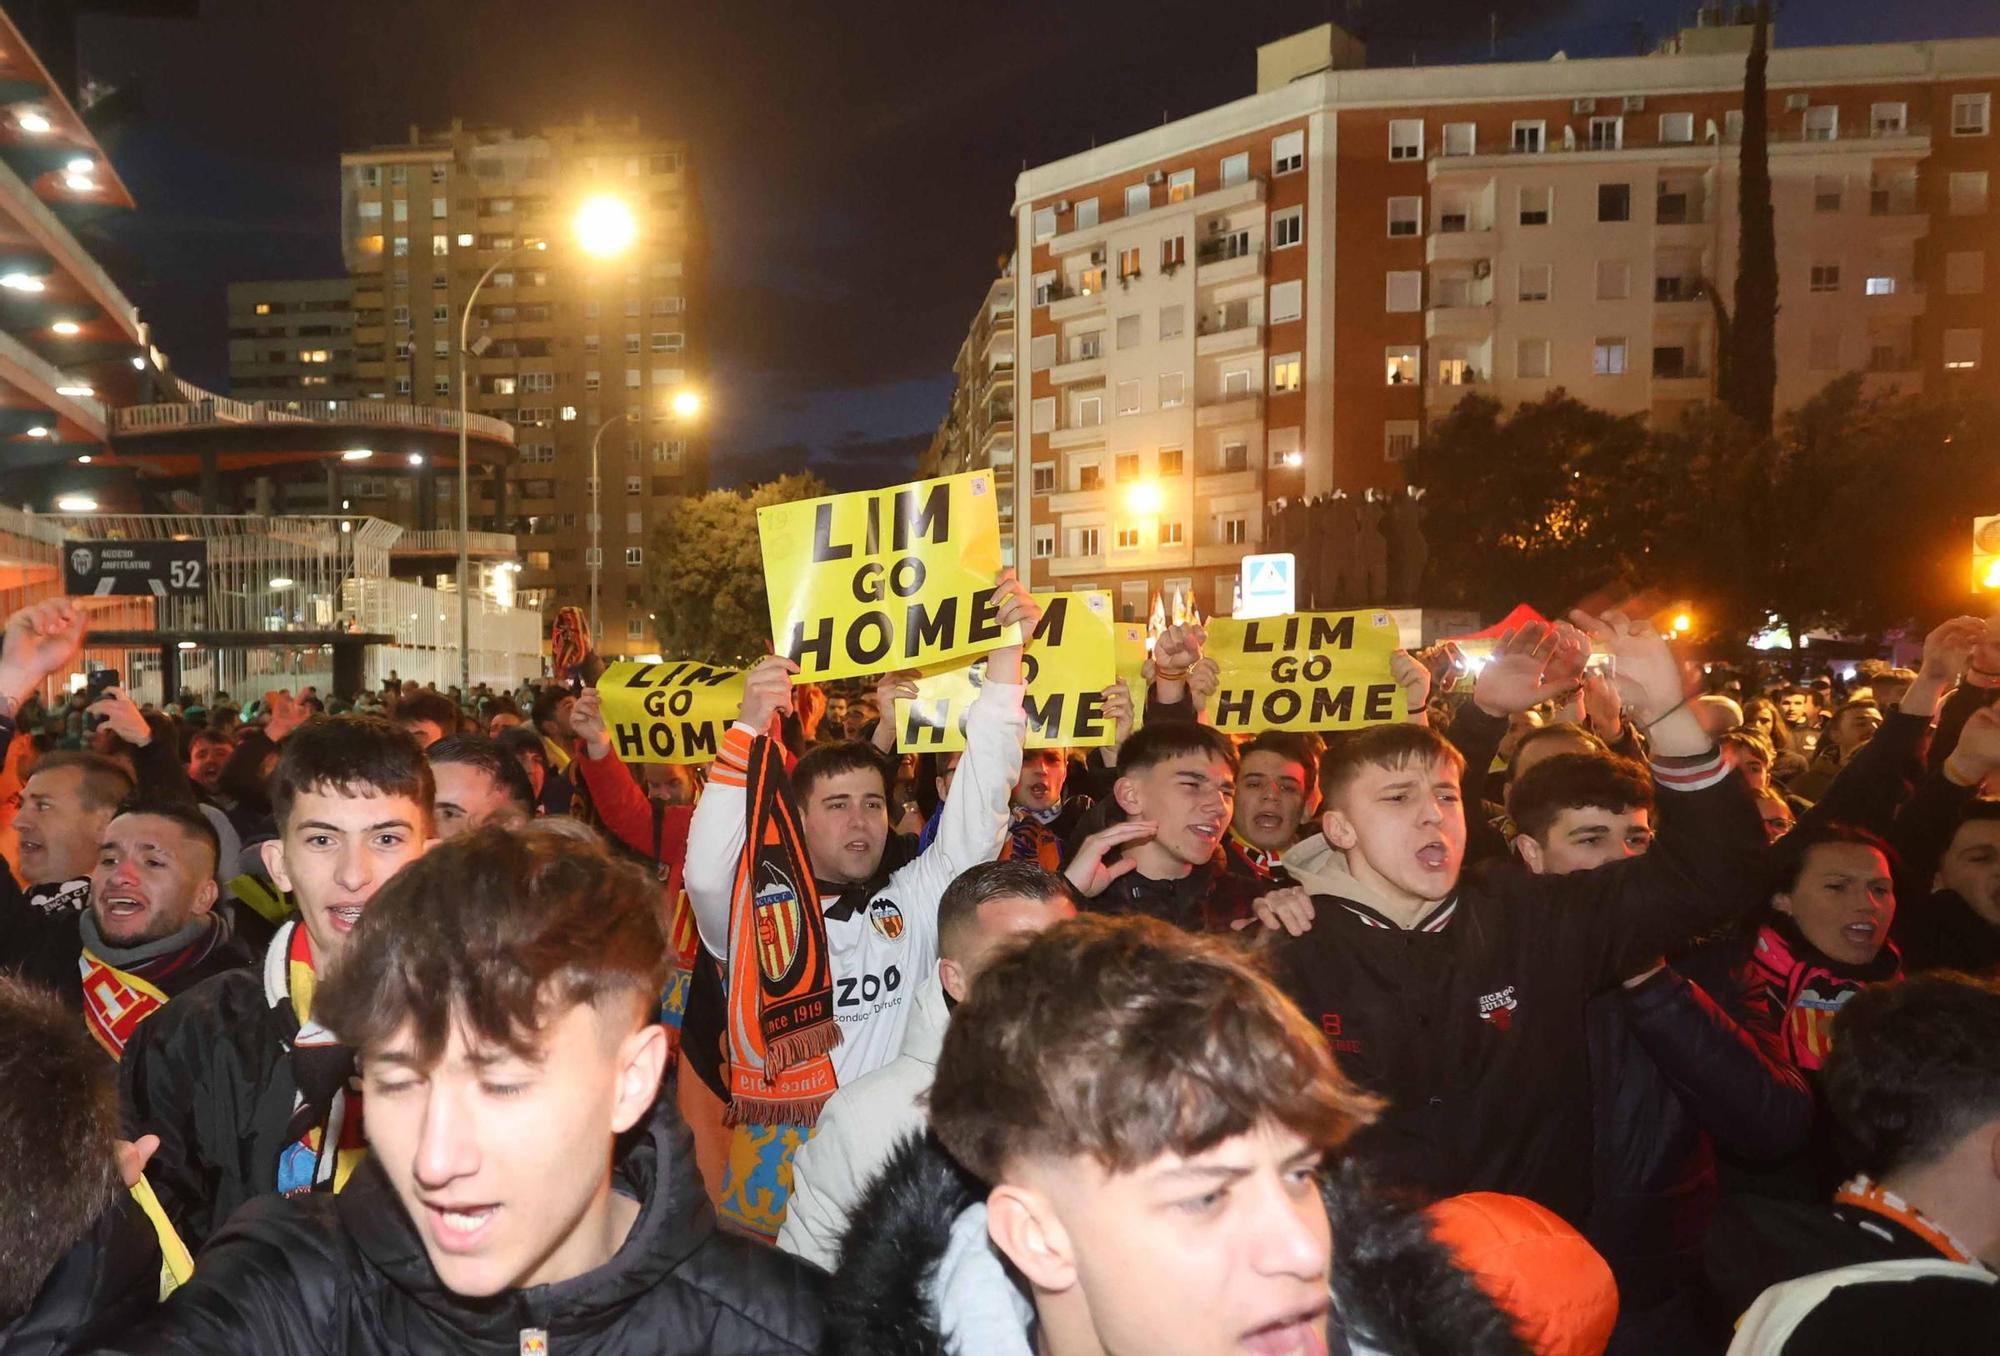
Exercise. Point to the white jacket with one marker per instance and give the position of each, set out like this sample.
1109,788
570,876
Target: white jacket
859,1129
883,951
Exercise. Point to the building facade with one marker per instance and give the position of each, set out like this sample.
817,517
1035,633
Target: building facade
978,430
291,340
1272,299
567,346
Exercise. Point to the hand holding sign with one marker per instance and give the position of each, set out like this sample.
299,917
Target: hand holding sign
899,686
586,718
1117,710
674,712
1017,608
767,691
1071,655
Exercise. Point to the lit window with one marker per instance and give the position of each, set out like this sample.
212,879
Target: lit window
1180,185
1879,287
1607,358
1400,362
1962,350
263,308
1285,373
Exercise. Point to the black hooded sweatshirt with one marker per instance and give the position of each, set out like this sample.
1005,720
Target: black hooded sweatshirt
318,1274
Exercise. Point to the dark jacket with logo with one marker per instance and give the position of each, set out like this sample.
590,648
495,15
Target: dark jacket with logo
1472,1023
322,1274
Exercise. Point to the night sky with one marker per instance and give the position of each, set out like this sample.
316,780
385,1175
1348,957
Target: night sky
856,161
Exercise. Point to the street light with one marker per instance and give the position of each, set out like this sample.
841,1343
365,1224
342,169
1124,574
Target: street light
686,403
1145,498
605,226
597,516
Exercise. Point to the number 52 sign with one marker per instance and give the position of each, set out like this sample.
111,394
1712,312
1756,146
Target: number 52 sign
164,569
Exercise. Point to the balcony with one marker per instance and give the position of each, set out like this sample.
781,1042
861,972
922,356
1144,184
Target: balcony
1078,369
1472,322
1216,483
1227,410
1218,200
1239,338
1077,435
1442,397
1080,501
1216,263
1464,244
1075,305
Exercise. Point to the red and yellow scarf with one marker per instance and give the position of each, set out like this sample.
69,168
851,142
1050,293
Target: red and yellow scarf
326,1107
114,1002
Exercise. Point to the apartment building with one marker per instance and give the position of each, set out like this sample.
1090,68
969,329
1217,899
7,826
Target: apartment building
565,344
978,430
291,340
1274,298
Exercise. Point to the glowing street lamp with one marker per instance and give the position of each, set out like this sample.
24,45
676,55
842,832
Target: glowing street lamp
1145,498
1682,623
686,403
605,226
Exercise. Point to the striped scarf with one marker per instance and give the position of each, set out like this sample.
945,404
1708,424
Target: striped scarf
326,1107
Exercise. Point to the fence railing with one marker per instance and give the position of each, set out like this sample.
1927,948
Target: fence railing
205,409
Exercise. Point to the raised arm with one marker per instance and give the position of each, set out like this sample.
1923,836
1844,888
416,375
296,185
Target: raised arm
717,830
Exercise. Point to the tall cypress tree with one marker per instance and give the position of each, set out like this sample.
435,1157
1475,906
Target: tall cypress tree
1749,379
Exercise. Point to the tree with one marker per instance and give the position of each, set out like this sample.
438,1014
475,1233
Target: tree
1748,373
707,575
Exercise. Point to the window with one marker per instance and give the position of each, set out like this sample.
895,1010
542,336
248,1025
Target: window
1534,282
1235,169
669,305
1822,123
370,211
631,306
1826,277
1044,541
1128,263
399,248
1045,224
1138,198
441,385
1170,534
1888,119
402,385
675,342
1968,193
1234,457
1173,252
1089,411
1535,202
371,176
1529,137
1045,286
1084,347
400,315
631,343
1455,372
1670,362
1676,129
405,350
1042,415
1128,331
1461,138
1281,447
1531,358
1400,362
1042,478
1170,461
1089,476
1614,202
440,207
592,380
1826,192
440,315
1087,542
1125,467
1732,126
1607,358
1086,214
633,378
441,348
1090,281
1288,228
1173,321
400,210
1406,291
1614,280
633,484
1128,396
1236,382
440,246
1406,138
1971,114
1173,390
1961,350
1285,372
1180,185
1399,439
635,555
1878,287
438,172
1288,153
1607,134
1406,216
1232,531
1965,272
1287,301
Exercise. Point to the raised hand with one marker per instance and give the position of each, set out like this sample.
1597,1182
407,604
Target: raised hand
1603,708
39,640
1014,605
809,700
1531,664
586,718
1204,680
1415,680
767,691
1117,710
123,716
1948,649
1649,674
1290,908
287,714
1089,872
901,685
1976,756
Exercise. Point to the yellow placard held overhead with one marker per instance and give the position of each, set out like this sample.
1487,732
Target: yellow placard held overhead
1305,671
900,578
675,712
1068,664
1129,641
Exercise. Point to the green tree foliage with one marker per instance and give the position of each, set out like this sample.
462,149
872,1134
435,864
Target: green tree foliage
707,574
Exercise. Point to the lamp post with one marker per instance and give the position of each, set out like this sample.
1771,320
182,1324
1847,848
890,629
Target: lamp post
604,227
629,418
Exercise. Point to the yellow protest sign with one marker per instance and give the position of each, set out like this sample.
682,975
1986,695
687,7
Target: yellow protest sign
675,712
1068,664
900,578
1129,641
1305,671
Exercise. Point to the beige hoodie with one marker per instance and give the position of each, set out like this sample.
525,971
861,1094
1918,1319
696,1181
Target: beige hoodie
1322,869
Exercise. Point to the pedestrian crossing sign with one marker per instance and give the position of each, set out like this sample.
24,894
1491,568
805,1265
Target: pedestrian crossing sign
1270,585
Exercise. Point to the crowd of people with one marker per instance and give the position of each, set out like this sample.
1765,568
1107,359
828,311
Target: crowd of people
1603,1004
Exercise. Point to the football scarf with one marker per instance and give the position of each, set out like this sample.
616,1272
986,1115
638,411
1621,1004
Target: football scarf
683,938
1865,1194
326,1108
1030,838
115,1001
1811,989
779,999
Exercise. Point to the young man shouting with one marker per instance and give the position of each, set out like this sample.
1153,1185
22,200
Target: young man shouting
246,1089
1464,1002
500,995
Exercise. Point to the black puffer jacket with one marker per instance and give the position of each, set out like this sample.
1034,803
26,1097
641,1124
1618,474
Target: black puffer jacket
348,1274
103,1285
1395,1288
